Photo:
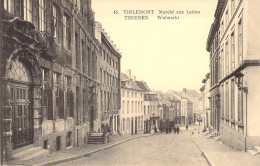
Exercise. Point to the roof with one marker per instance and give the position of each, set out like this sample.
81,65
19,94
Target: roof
143,86
123,77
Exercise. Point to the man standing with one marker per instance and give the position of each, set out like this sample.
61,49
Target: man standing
187,127
178,130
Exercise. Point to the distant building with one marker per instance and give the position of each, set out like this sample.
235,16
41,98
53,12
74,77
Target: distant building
233,44
151,107
205,95
132,104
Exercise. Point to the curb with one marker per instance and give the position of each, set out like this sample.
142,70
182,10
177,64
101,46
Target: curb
89,153
203,154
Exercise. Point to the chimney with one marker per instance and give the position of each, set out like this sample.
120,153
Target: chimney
128,73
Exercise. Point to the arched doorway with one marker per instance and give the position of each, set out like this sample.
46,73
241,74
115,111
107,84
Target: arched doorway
21,103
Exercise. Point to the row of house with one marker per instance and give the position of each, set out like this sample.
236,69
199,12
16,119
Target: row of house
231,90
60,75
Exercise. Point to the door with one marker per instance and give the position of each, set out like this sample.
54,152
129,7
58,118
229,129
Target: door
20,99
22,115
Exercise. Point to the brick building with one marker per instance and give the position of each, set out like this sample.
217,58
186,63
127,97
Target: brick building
50,80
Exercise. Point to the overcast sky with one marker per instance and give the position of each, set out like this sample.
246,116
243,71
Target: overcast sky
166,54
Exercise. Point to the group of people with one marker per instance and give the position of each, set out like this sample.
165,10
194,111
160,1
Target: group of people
169,130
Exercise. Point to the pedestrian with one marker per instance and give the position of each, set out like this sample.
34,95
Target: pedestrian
170,129
166,130
187,127
175,130
178,130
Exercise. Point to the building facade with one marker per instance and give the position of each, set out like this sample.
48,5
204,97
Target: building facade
132,101
50,73
205,95
233,43
109,79
151,108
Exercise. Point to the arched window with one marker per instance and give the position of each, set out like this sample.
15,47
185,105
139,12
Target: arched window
19,72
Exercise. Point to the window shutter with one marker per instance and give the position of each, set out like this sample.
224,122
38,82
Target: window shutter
50,104
61,95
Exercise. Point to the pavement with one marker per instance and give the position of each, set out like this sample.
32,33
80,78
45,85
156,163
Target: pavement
219,154
136,146
76,152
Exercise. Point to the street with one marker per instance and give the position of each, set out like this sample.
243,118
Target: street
159,149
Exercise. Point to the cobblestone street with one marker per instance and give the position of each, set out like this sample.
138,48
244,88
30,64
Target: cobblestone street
161,149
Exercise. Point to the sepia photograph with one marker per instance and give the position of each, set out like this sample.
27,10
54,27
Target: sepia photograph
130,82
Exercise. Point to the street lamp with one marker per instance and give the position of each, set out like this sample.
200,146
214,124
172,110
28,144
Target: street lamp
239,82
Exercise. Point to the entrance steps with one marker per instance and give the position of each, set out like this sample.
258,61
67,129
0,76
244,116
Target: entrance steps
29,152
255,151
96,138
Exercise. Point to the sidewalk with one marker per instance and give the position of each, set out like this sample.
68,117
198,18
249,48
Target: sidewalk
76,152
219,154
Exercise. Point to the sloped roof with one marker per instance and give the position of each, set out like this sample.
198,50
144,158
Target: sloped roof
123,77
143,86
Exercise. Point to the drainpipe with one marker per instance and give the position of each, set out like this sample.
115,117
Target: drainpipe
246,122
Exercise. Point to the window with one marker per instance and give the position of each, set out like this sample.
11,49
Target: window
227,19
240,106
127,93
123,93
78,64
42,18
84,105
144,109
135,94
123,107
132,94
83,61
45,79
232,6
56,23
232,50
136,107
132,107
127,107
227,58
66,32
232,99
227,101
58,101
240,41
9,6
27,10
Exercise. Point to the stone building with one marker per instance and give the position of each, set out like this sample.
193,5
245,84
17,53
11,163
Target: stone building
109,77
132,101
233,44
49,69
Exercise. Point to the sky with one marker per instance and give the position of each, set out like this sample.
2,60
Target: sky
166,54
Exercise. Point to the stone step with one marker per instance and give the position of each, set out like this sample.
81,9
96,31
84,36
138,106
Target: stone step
257,148
253,152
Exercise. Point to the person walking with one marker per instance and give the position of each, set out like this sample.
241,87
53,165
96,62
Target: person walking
175,130
187,127
178,130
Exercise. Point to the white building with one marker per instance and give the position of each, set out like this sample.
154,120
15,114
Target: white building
132,100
